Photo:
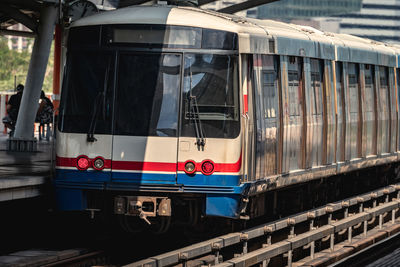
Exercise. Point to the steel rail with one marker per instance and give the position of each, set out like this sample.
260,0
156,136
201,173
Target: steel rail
304,240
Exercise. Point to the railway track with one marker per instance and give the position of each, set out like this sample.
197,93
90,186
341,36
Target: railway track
53,258
318,237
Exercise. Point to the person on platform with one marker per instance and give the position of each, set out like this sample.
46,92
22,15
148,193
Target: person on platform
12,108
44,114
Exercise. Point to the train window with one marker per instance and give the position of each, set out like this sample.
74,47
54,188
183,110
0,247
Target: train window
87,93
214,39
270,85
369,88
383,76
87,35
210,92
383,82
339,87
398,89
169,36
353,86
166,36
147,94
316,83
294,78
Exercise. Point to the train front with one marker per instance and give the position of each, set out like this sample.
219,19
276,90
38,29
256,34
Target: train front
149,123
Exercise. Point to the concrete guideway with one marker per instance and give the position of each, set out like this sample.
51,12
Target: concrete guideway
343,233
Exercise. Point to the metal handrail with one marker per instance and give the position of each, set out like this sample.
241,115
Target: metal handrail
304,240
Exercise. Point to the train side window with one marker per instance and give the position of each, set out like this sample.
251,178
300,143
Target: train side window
339,87
383,85
369,85
148,101
353,86
316,83
398,82
270,85
294,78
398,86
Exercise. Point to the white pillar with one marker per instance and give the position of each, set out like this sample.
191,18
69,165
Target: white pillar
24,129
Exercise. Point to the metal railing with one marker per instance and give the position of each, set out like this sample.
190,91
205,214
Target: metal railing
352,215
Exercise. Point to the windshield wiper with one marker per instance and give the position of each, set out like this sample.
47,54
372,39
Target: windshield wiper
100,100
195,116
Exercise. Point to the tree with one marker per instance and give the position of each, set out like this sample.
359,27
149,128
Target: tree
15,65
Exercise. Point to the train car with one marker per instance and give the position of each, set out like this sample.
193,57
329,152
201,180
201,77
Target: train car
178,112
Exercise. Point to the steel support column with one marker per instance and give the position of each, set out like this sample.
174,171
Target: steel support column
24,139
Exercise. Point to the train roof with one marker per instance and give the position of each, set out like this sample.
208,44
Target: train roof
258,36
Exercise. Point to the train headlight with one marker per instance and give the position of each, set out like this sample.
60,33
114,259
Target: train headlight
190,167
98,163
82,162
207,167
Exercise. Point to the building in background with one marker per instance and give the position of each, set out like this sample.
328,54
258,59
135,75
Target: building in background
287,10
19,43
219,4
377,20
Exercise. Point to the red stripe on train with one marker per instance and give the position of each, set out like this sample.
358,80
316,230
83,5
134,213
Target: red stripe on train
152,166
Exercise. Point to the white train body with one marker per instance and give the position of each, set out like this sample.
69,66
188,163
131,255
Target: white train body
252,105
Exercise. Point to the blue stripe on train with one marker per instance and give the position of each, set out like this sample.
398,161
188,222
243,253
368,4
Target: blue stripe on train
148,178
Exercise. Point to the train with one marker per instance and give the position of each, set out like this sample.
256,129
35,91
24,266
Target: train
179,113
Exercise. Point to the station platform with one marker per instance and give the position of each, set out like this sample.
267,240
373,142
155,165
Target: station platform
24,174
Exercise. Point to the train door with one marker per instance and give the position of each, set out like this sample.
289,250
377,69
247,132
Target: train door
393,111
369,112
340,113
292,112
384,111
85,119
146,117
398,107
209,135
354,109
266,77
315,125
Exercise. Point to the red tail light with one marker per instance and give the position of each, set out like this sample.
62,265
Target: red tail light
82,162
207,167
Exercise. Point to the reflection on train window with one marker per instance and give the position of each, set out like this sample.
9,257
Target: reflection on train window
294,78
384,97
269,80
210,87
353,86
369,88
316,81
270,85
147,94
87,93
383,73
339,87
398,90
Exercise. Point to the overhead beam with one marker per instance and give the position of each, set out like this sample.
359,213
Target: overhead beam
125,3
204,2
17,33
244,5
23,4
17,15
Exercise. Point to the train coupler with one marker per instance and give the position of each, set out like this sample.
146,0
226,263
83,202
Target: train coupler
142,207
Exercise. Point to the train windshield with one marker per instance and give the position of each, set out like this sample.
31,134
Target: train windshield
147,94
87,94
115,89
210,93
